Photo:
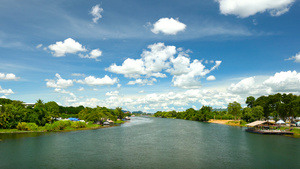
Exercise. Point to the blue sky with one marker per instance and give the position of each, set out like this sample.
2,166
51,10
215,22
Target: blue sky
149,56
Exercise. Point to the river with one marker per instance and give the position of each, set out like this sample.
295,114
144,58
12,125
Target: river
146,142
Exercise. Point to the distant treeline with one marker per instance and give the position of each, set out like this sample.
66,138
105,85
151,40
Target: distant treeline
13,112
277,106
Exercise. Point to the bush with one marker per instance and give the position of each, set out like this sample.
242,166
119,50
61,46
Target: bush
58,125
22,126
78,124
27,126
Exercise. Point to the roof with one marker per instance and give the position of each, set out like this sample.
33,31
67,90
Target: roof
255,123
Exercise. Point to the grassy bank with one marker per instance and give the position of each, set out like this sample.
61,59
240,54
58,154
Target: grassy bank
89,126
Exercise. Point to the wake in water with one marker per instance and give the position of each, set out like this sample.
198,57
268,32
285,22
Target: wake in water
137,121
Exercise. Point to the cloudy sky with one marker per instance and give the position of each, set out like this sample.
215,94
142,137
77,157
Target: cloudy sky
148,55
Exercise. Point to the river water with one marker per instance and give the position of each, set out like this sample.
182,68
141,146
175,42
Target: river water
150,143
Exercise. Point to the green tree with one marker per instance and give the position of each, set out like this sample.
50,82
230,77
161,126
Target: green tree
234,109
258,112
250,101
247,114
52,109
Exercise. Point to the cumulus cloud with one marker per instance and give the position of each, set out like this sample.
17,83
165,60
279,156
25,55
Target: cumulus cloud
96,12
93,81
245,86
150,64
284,82
168,26
69,45
94,54
194,71
296,58
245,8
6,91
59,82
130,68
159,58
211,78
8,76
71,98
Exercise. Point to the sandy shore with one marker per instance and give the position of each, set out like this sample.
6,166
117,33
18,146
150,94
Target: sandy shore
219,121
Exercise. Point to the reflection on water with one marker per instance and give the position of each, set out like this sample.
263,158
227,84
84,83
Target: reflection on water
150,143
137,121
7,136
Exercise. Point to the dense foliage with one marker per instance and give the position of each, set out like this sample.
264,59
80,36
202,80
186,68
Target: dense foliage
15,114
203,114
278,106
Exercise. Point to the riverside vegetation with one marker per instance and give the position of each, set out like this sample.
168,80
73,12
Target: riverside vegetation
277,106
15,116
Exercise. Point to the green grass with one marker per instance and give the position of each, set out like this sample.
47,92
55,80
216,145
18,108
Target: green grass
42,129
119,122
296,131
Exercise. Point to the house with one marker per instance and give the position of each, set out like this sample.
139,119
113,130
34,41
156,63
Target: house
266,127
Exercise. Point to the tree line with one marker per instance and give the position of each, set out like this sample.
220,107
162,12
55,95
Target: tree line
13,112
277,106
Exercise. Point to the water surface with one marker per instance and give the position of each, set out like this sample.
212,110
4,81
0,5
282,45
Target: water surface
150,143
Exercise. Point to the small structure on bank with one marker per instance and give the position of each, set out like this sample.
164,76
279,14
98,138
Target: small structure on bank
266,127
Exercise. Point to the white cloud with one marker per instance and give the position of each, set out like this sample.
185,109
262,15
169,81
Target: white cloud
168,26
190,74
142,81
69,45
8,76
245,86
296,58
245,8
96,12
39,46
93,81
119,86
162,58
130,68
150,64
141,91
112,93
211,78
78,74
284,82
157,58
6,91
71,98
81,89
94,54
59,82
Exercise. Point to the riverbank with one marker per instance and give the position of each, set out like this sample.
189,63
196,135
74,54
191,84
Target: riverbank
42,129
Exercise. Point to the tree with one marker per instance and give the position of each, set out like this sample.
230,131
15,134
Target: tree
52,108
250,101
234,109
258,112
119,112
247,114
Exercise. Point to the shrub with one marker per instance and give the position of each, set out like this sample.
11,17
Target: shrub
58,125
27,126
78,124
22,126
